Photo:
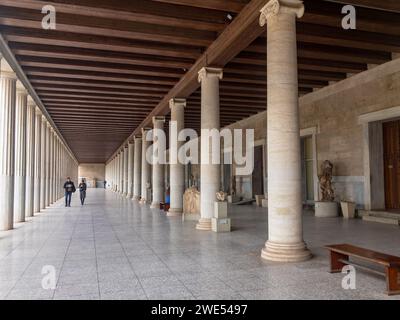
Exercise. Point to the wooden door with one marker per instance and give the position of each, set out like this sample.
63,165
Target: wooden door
391,156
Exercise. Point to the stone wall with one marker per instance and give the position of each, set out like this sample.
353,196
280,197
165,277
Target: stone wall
333,111
92,171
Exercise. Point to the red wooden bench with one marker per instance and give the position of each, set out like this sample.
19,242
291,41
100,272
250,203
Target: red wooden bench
340,256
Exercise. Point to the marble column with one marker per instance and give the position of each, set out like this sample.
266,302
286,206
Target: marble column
158,166
209,173
121,171
137,168
47,167
7,142
20,153
130,169
30,157
38,160
43,171
125,176
51,167
146,169
177,169
285,232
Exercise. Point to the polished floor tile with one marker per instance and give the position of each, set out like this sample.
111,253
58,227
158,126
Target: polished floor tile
114,248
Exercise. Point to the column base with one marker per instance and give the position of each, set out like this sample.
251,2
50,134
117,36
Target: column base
142,201
155,205
129,195
282,252
174,212
204,224
136,198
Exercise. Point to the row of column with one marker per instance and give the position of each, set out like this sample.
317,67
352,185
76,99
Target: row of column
33,160
285,232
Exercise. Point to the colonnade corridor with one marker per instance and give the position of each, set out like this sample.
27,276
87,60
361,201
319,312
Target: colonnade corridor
115,248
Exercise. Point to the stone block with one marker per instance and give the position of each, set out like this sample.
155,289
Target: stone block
264,203
259,198
221,225
220,209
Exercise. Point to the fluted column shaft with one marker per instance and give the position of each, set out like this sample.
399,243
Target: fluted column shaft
47,165
209,172
7,142
130,169
20,154
177,169
43,156
158,167
145,168
137,168
125,173
38,161
30,158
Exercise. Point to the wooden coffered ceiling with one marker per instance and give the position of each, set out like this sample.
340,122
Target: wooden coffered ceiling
111,65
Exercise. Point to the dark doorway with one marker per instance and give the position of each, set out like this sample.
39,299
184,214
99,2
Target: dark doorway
391,158
258,172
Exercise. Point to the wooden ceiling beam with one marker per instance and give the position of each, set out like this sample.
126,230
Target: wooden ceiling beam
132,30
98,55
114,44
135,11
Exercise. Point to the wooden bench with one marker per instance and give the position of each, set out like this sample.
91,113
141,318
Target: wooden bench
340,254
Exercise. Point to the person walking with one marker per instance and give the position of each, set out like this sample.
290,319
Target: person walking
69,188
82,191
105,184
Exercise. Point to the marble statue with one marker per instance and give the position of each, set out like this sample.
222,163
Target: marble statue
325,181
221,196
191,201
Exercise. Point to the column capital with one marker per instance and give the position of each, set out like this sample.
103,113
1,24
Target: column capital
8,75
38,111
177,102
44,118
21,89
274,7
158,118
207,72
31,102
137,137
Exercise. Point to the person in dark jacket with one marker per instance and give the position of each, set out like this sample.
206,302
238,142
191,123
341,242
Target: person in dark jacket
82,191
69,188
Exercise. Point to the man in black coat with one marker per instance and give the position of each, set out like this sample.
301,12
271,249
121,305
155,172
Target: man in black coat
69,188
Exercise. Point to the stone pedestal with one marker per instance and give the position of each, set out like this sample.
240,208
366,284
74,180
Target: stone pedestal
259,198
220,209
326,209
264,203
221,225
348,209
220,222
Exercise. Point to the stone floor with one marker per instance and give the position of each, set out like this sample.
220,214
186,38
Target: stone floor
113,248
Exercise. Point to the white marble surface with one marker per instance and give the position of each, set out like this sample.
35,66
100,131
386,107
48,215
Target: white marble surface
113,248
